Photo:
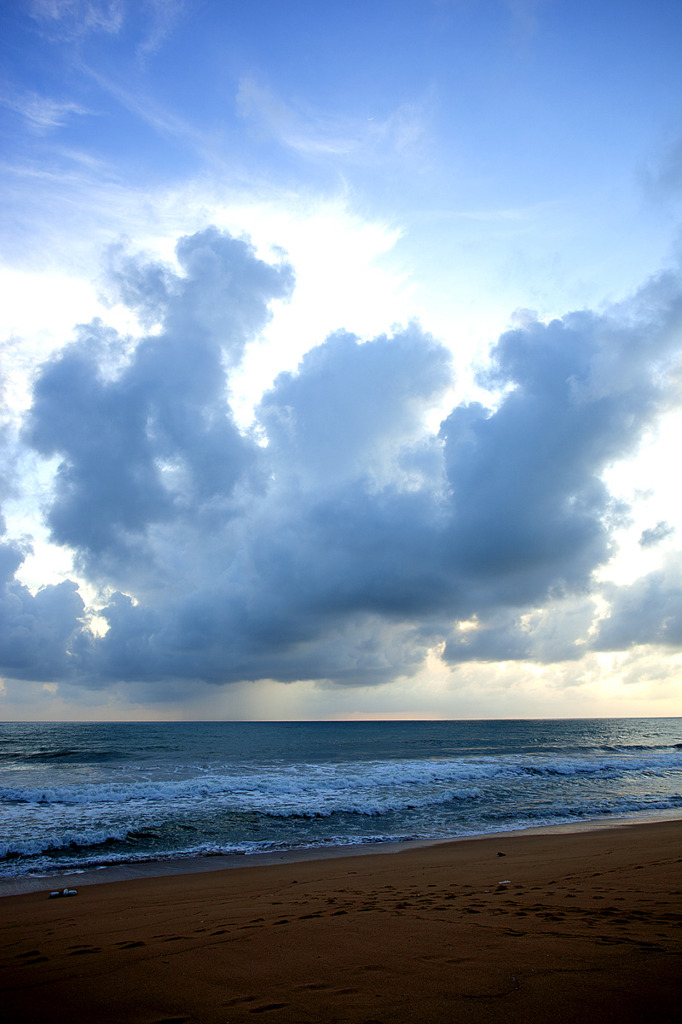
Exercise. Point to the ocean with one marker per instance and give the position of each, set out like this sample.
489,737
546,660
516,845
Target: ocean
80,796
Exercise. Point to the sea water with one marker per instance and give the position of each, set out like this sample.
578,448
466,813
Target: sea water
77,796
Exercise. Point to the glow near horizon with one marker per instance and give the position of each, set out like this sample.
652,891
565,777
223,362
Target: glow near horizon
334,189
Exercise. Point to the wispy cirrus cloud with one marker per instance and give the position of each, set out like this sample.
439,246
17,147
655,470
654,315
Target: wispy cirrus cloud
72,18
153,113
43,113
164,16
315,135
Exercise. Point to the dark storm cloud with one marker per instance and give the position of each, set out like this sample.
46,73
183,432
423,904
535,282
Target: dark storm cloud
532,514
37,632
355,539
648,611
557,632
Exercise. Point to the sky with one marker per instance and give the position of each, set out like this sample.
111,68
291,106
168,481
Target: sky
340,359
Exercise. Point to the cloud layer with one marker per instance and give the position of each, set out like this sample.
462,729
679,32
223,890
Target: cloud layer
341,538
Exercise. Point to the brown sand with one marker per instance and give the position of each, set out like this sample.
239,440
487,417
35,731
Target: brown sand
572,928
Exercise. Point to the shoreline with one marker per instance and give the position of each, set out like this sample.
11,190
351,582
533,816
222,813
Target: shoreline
544,925
192,865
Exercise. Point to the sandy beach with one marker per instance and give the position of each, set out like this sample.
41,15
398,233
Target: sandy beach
562,927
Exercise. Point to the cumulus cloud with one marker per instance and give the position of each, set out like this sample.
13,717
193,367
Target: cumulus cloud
342,538
655,534
155,441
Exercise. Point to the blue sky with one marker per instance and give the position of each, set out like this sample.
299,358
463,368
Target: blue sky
340,359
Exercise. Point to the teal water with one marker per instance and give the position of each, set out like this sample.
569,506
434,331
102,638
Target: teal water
74,796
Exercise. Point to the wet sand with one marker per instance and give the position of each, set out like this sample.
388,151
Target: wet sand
569,927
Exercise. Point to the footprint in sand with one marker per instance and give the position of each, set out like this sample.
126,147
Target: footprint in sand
33,956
